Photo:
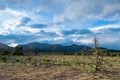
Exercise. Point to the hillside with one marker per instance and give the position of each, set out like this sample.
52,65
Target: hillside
4,47
43,47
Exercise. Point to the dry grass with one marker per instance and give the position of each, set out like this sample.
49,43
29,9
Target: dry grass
59,68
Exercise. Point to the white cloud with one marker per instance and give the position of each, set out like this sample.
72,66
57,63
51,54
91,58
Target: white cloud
77,35
10,13
30,30
58,18
83,40
59,38
86,10
86,41
108,38
10,26
13,44
16,13
98,28
55,28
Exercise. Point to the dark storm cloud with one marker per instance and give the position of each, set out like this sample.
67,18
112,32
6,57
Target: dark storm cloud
76,31
38,25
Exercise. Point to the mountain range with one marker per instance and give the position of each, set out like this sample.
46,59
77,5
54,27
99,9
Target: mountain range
44,47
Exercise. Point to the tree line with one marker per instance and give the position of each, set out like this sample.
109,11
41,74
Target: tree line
18,50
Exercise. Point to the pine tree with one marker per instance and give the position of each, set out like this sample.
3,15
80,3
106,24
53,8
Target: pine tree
17,51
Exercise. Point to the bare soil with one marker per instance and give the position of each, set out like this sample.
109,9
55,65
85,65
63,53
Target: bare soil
53,72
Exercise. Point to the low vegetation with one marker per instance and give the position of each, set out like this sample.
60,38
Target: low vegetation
57,67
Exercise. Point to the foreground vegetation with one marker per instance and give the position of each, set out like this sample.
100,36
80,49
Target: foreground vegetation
58,67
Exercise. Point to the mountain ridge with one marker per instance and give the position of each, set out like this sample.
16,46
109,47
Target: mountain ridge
45,47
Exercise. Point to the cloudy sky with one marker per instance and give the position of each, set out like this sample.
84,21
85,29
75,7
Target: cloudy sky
60,22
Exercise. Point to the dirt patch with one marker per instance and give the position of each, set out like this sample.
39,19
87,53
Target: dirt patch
52,73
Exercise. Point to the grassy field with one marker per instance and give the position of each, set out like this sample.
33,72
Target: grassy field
57,67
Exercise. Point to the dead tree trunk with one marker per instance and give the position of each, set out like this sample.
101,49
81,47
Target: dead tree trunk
97,55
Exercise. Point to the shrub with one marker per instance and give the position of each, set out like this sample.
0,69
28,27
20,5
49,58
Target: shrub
18,60
5,52
4,59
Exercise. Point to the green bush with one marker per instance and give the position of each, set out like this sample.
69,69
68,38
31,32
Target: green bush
4,59
18,60
5,52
